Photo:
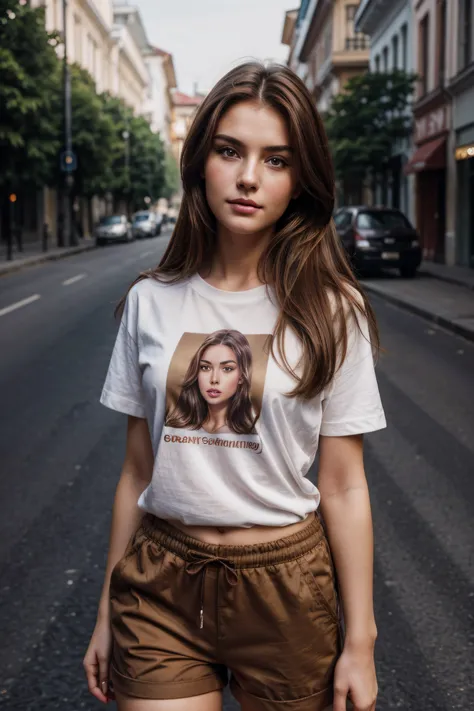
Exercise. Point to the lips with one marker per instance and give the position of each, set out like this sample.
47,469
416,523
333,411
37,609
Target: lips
213,393
242,201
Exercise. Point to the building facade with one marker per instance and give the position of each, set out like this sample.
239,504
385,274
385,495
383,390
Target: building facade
184,108
159,107
326,50
432,161
461,87
389,23
108,40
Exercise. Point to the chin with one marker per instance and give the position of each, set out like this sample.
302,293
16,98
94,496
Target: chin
244,225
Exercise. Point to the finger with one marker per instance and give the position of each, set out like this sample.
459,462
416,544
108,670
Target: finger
340,697
92,675
104,675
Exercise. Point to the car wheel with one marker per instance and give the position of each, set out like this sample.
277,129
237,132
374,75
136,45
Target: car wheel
408,272
99,243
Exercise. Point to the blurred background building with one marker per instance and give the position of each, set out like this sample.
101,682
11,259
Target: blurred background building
108,40
431,174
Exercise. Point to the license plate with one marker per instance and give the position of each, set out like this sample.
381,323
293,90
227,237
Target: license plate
390,255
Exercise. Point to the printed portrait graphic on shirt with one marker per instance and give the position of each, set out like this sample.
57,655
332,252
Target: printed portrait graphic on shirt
215,387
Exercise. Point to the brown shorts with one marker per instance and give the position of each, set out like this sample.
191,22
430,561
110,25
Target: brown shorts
185,612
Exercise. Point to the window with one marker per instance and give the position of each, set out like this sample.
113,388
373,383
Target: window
385,59
424,54
354,40
377,63
404,33
77,39
381,220
343,220
395,52
441,41
465,31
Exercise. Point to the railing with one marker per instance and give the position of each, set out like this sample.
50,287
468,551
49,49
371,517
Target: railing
357,43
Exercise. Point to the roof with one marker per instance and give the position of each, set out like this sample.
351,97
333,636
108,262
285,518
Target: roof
181,99
157,51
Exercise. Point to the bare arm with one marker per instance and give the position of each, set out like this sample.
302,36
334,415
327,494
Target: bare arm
345,506
136,474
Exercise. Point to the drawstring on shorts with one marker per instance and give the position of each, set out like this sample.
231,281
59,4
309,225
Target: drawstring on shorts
198,561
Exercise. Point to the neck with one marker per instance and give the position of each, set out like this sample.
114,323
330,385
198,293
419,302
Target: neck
235,263
216,417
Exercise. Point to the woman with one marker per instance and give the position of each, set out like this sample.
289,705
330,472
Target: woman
228,566
215,395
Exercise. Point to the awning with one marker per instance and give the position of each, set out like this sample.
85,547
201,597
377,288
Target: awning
429,156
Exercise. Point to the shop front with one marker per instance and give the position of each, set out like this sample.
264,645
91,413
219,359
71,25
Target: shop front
463,124
465,204
429,164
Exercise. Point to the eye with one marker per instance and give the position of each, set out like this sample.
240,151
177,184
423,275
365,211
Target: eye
277,162
226,152
204,367
228,369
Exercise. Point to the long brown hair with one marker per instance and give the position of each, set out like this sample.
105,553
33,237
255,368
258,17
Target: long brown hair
304,261
191,409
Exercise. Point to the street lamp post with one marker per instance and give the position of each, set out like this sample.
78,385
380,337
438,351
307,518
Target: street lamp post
126,138
68,233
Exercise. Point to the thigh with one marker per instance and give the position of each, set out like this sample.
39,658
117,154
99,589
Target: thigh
204,702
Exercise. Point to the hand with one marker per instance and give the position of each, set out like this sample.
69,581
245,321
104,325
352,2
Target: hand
355,675
96,662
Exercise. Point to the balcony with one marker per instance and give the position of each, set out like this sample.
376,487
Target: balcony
361,42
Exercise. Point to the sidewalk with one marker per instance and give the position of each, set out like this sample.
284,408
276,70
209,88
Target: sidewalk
462,276
32,254
439,300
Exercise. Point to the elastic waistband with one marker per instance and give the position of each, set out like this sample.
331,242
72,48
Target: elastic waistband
247,556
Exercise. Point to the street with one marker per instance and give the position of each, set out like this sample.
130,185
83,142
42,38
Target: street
61,454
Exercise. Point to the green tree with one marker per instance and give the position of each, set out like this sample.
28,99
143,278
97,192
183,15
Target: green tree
29,72
172,176
138,159
94,136
147,174
364,123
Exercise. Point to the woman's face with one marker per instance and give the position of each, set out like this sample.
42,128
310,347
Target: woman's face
219,374
250,160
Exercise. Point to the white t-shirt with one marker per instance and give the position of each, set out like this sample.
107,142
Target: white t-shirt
187,351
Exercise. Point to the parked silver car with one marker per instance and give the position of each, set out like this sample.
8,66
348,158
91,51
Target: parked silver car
113,228
146,223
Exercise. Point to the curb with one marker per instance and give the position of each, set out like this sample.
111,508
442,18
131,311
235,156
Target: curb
15,266
446,323
446,278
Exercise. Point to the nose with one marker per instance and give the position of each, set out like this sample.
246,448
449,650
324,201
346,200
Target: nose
215,376
248,178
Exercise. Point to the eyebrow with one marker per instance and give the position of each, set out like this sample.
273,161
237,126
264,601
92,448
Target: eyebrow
240,144
223,362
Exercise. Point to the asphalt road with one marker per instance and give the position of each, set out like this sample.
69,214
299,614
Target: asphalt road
61,452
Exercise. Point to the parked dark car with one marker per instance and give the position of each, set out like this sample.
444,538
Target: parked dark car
377,237
113,228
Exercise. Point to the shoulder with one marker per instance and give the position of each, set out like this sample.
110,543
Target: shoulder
150,288
347,304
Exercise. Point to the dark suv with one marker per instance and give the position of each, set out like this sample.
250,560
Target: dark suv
378,237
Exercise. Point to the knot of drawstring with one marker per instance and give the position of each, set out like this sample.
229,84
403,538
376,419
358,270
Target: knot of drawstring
198,562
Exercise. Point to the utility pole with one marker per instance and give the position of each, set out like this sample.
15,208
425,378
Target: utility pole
68,160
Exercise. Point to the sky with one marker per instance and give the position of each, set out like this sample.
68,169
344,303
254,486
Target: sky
209,37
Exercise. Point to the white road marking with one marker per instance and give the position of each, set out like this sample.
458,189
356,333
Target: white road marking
74,279
145,254
19,304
